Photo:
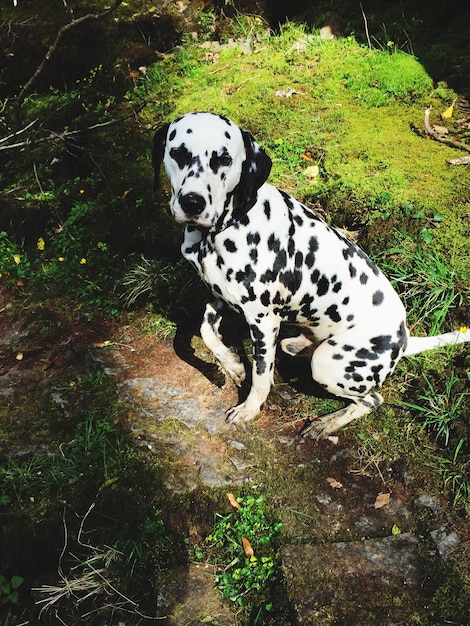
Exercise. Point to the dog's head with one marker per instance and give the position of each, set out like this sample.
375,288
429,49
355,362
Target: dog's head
214,167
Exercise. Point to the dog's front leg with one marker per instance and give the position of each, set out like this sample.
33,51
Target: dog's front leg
264,338
211,336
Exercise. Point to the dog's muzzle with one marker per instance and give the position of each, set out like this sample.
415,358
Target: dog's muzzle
192,204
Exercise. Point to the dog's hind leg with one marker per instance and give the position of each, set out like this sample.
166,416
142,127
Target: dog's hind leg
350,367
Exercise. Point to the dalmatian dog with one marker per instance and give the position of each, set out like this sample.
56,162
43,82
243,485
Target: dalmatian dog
275,261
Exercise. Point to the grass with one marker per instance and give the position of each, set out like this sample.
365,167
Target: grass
439,410
427,282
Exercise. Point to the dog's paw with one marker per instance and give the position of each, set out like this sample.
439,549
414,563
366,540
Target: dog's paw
240,413
323,427
236,370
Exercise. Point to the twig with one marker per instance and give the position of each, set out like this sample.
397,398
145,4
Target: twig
450,142
18,132
62,136
79,536
365,25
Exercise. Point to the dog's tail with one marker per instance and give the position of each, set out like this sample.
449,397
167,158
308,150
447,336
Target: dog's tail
420,344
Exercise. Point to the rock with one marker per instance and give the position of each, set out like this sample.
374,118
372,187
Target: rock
193,599
374,581
167,417
445,541
428,502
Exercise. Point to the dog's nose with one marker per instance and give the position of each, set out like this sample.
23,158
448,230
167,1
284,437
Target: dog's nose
192,203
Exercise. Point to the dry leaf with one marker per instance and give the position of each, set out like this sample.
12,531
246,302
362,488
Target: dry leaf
247,548
287,93
449,111
233,501
381,500
311,172
334,483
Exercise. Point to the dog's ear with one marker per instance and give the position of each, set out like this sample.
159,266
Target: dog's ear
158,150
255,172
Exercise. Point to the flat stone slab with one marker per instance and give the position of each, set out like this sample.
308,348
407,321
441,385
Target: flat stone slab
369,582
190,430
194,599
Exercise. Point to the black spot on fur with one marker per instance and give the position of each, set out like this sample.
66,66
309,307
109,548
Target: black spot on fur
265,299
253,239
381,344
364,353
315,276
375,369
230,245
273,243
291,280
378,298
333,314
361,389
322,286
246,276
280,261
312,248
363,278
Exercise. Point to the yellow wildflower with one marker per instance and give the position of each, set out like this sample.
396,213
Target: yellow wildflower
83,261
17,258
41,244
61,259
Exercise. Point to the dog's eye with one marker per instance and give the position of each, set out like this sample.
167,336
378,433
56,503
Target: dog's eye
217,161
224,160
181,155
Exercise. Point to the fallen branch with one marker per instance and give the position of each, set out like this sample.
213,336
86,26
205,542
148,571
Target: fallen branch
55,135
53,47
450,142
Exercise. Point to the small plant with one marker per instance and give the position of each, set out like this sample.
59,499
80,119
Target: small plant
9,589
14,262
440,409
241,544
171,285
